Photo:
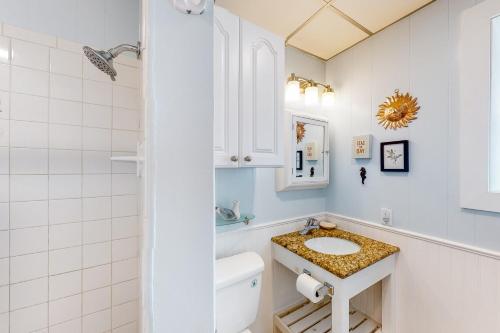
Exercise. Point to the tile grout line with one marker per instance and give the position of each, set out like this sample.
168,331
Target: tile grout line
10,134
111,170
81,201
77,270
66,223
48,192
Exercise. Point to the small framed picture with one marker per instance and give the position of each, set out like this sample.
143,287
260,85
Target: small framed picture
298,161
361,146
394,156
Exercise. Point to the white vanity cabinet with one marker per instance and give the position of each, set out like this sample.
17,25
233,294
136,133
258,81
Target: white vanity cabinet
249,85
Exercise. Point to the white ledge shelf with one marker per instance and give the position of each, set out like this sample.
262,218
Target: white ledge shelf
128,158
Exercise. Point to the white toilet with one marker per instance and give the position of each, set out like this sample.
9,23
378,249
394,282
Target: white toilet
238,282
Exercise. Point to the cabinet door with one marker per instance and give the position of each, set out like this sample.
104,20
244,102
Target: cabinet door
261,98
226,77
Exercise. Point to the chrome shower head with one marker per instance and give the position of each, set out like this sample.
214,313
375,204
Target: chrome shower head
104,59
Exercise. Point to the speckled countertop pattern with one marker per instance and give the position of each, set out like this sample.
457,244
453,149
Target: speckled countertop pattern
344,265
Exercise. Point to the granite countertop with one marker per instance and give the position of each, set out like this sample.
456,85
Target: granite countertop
340,265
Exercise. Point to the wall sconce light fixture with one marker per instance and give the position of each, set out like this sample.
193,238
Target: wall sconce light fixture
298,85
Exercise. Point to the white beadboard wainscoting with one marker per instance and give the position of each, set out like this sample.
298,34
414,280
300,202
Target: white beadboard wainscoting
438,286
68,215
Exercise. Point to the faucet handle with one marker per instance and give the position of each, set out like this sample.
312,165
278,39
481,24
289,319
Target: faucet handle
311,221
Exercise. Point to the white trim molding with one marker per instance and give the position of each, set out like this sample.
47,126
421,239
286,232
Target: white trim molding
341,221
236,228
415,235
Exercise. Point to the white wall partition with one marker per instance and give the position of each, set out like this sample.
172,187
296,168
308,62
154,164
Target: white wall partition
68,215
181,204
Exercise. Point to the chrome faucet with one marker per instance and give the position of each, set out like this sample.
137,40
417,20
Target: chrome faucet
311,224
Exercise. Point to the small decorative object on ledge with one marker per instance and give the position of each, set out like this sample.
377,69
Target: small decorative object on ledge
226,216
394,156
362,174
398,110
361,146
327,225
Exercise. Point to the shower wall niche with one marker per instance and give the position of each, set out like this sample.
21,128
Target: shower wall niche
69,217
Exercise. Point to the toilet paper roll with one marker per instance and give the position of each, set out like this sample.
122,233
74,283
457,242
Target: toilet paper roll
309,287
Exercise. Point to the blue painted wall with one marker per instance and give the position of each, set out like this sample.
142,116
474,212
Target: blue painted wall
418,54
254,188
101,23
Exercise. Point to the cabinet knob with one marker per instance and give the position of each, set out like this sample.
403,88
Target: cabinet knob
234,158
248,158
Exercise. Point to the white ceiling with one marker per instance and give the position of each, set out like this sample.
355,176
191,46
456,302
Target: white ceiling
323,27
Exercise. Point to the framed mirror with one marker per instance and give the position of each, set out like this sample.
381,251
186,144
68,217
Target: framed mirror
306,153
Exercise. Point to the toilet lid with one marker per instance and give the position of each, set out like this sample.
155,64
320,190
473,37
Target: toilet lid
246,331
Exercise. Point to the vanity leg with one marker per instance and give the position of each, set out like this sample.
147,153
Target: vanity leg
340,314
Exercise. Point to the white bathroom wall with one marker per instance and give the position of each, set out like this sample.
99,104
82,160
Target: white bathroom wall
68,216
255,187
179,99
102,23
418,55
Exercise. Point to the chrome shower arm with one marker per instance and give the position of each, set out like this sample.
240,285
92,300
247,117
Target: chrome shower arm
115,51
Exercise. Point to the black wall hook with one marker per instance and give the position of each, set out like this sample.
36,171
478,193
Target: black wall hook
362,173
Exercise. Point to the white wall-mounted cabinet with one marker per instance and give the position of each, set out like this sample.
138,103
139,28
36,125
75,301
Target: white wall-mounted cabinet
226,80
249,65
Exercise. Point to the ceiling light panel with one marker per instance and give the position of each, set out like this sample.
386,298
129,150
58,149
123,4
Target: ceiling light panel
327,34
279,16
376,15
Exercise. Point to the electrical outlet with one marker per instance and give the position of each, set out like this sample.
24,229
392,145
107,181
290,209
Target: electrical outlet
386,216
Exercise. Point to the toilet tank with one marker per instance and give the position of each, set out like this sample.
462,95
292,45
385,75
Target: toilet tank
238,282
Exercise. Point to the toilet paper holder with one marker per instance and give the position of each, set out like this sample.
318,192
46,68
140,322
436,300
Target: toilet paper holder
326,290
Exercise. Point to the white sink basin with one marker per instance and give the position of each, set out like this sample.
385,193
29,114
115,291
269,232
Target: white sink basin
332,245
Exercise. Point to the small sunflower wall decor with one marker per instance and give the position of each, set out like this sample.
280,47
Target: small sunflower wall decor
398,110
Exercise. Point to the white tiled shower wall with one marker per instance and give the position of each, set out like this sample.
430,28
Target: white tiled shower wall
68,215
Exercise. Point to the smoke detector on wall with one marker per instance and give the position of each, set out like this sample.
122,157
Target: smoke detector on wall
196,7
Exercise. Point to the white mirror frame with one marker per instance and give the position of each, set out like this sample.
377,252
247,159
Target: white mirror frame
475,107
285,177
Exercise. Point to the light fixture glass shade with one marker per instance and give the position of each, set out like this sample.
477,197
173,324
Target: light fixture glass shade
327,99
311,97
292,91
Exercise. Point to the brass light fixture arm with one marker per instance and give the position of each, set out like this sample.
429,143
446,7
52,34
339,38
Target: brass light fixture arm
305,82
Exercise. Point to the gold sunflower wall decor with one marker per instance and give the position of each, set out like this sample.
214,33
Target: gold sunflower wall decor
301,131
398,110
